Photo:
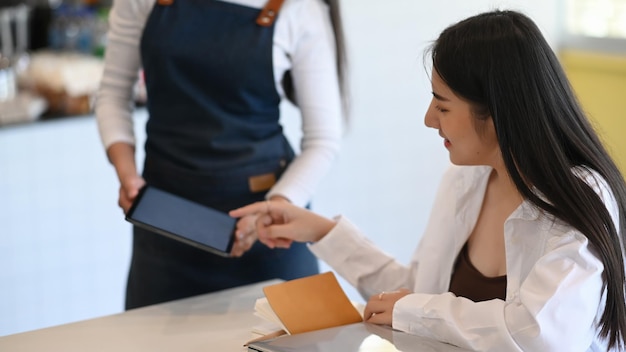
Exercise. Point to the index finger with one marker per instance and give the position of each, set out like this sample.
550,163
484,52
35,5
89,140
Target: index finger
254,208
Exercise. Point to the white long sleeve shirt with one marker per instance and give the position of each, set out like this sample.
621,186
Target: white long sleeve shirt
554,281
303,43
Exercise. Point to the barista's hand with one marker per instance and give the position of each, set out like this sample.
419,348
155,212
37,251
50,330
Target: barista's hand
245,235
122,156
129,188
246,232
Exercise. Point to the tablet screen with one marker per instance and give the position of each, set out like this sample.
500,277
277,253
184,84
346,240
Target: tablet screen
183,220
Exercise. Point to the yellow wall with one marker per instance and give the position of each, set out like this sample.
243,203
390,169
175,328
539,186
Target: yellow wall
600,84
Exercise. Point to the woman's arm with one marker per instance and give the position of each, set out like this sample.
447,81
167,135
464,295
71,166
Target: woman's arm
115,104
338,242
304,34
115,101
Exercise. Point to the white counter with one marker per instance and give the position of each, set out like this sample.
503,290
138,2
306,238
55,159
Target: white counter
220,321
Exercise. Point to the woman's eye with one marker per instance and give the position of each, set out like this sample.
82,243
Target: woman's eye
440,109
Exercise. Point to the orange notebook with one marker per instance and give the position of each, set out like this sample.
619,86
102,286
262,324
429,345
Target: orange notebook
311,303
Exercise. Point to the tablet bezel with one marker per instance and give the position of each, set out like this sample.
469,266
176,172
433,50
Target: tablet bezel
180,237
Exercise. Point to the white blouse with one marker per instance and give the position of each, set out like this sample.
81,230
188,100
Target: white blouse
554,280
303,42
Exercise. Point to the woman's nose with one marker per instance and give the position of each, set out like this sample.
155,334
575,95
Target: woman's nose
430,119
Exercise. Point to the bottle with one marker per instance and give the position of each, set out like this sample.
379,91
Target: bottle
85,21
100,30
58,28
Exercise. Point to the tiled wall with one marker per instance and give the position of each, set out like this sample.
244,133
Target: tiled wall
64,245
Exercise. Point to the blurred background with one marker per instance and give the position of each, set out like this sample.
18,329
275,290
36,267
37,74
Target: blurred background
64,244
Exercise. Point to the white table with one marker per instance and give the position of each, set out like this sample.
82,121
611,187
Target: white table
219,321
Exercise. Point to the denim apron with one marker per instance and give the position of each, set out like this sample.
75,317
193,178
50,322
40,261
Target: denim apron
213,126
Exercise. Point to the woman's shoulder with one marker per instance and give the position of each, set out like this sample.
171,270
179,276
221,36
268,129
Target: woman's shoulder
562,232
593,179
304,8
321,3
600,185
288,5
133,8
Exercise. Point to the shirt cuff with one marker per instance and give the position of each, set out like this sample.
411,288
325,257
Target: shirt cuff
408,314
338,244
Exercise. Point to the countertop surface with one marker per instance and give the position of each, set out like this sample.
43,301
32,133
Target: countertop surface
220,321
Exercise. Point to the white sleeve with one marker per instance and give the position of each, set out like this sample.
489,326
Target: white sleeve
554,310
114,104
360,262
305,34
371,270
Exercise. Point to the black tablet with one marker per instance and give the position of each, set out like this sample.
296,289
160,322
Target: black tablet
183,220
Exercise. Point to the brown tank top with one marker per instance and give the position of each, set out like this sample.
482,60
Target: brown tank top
468,282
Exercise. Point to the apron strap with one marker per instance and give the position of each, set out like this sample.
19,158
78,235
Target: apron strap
269,12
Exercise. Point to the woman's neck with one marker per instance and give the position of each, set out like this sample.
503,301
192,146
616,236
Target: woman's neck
501,181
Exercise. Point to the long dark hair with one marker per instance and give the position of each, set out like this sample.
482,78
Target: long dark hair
340,48
501,63
341,62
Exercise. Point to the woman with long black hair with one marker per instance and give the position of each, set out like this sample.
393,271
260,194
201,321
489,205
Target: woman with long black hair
524,250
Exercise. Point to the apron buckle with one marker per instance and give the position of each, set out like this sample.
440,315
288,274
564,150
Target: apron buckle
269,12
260,183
